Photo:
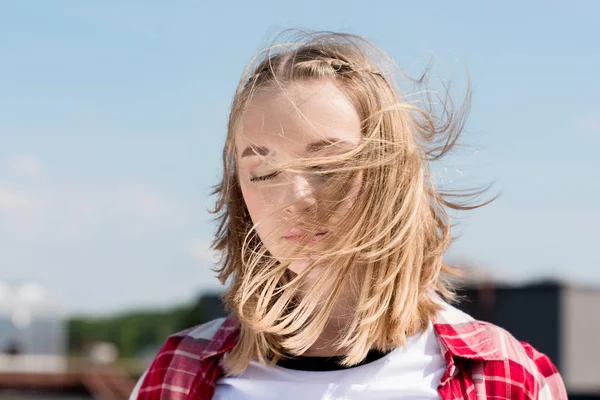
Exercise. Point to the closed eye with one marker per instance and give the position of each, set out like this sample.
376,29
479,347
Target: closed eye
320,169
264,177
325,171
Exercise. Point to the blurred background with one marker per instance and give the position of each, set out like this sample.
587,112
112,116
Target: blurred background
112,120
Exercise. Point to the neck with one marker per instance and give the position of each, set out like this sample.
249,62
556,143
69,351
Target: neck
341,315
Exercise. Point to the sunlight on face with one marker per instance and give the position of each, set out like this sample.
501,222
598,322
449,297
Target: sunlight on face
280,127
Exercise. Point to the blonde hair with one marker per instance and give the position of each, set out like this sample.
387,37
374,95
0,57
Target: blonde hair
394,236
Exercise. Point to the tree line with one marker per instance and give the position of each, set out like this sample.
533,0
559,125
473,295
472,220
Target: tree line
139,331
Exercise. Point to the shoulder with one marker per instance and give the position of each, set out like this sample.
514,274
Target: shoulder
191,343
196,338
184,355
501,361
522,366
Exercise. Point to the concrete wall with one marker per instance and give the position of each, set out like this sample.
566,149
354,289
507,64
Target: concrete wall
581,339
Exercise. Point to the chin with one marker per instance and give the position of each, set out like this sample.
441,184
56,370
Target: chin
297,266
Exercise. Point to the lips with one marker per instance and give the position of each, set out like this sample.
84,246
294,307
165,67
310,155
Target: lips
296,235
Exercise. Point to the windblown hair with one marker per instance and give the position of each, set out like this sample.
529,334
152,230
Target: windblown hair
387,249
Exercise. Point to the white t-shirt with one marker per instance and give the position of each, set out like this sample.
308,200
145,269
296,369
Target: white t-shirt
413,372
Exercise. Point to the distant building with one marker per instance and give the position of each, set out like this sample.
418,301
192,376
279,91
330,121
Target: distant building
33,333
212,307
560,320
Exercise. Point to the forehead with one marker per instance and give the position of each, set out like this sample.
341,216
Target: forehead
286,121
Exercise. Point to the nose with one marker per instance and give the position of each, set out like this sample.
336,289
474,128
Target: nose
300,195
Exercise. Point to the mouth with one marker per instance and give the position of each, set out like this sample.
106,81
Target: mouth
298,236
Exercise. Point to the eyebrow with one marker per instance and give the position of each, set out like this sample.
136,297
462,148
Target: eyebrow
255,151
312,147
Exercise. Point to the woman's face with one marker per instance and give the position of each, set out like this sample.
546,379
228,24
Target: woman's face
313,118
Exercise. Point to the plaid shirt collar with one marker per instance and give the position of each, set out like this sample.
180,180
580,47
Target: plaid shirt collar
459,335
482,361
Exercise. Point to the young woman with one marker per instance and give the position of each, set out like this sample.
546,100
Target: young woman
332,234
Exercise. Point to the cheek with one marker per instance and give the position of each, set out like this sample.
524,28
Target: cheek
254,202
351,195
259,206
264,215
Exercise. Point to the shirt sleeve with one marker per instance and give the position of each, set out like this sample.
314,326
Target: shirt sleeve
552,386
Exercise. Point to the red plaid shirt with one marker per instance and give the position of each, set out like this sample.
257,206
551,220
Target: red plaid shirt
482,361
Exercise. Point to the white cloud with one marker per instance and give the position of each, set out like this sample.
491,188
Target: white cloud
75,211
38,208
21,211
144,205
16,201
25,165
589,125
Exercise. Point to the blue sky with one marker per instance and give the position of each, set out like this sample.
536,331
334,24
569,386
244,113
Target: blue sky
113,113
